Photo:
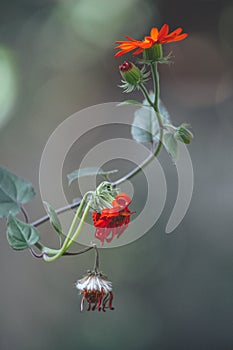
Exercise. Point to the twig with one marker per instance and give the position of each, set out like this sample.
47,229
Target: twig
58,211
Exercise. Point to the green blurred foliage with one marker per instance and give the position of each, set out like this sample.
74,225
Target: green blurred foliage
8,85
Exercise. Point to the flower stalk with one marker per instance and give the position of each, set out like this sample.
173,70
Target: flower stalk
110,207
155,105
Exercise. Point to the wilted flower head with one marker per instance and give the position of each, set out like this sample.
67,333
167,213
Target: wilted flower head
96,290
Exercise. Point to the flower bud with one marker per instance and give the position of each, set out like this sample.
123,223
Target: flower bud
130,73
153,54
183,134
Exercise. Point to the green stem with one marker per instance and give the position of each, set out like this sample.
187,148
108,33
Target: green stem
145,94
83,219
70,236
155,74
75,221
146,161
54,251
169,126
46,250
155,106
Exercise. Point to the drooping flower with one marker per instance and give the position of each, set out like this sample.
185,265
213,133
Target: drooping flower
96,290
111,222
160,37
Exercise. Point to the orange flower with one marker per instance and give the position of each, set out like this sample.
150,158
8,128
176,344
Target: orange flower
156,37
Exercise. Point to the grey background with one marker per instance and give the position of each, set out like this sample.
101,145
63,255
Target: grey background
171,291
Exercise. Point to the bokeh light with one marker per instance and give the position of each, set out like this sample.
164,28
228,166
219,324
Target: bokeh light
8,85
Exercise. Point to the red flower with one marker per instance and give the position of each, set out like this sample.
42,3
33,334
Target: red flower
113,221
156,37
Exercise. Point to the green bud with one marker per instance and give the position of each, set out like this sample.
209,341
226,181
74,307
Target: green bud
183,134
130,73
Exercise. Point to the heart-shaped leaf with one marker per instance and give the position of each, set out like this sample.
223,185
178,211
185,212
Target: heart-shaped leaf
20,235
145,126
13,192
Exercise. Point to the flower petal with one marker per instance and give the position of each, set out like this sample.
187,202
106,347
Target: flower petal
123,52
163,32
175,32
122,200
137,52
154,33
177,38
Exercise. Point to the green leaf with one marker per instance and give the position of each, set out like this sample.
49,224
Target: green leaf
88,172
13,192
20,235
170,144
145,126
54,219
130,102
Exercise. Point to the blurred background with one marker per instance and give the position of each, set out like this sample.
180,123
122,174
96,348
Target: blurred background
171,291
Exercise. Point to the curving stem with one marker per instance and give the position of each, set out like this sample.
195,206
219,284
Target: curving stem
155,106
50,255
